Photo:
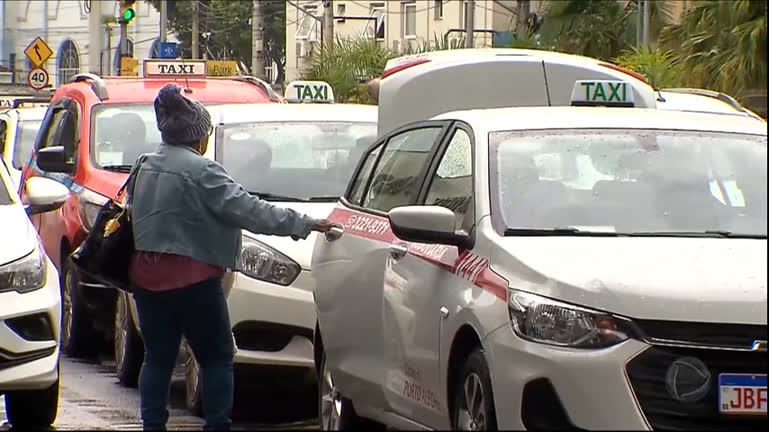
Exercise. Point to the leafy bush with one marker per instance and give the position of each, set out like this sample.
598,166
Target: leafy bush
661,67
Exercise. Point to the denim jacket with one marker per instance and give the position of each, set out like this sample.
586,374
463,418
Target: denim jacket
186,204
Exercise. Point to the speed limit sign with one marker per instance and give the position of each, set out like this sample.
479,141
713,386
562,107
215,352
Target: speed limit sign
37,78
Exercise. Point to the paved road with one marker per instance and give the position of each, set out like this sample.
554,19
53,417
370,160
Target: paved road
91,398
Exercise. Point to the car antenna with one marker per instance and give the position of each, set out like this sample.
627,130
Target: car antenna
187,88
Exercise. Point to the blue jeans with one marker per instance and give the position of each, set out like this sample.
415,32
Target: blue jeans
199,312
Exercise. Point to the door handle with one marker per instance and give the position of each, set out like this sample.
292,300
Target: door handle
334,233
398,251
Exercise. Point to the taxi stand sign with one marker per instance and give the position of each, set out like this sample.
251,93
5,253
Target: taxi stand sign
309,92
614,93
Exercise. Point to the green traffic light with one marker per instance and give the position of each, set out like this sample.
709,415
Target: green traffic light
129,14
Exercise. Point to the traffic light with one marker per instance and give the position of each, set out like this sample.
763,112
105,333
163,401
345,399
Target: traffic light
127,11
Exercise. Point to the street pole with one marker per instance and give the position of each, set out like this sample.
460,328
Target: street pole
646,23
94,38
123,46
639,23
257,34
470,24
163,20
328,22
195,30
523,13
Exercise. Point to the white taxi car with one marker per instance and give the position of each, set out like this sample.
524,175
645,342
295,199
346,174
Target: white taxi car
30,306
548,268
296,155
18,127
702,100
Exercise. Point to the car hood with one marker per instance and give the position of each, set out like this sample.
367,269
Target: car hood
16,233
298,250
678,279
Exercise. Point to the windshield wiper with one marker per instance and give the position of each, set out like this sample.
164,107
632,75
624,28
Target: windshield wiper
555,232
274,197
707,233
118,168
323,199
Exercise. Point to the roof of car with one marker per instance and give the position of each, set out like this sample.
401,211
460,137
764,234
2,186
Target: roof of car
528,118
247,113
217,90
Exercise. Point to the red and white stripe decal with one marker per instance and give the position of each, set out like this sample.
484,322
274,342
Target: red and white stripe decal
466,265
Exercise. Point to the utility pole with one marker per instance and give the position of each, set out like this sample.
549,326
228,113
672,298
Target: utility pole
163,20
470,24
328,22
639,23
257,38
195,30
646,23
95,37
523,12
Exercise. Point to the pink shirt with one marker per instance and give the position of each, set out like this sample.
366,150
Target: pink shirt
162,272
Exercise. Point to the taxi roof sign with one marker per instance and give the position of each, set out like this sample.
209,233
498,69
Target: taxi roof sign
615,93
162,68
309,92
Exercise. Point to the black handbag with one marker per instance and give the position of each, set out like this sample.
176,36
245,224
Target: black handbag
105,255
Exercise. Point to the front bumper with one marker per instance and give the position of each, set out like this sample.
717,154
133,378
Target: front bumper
30,364
272,324
623,387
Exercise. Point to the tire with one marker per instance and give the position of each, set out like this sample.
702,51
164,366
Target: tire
77,336
33,409
193,394
336,412
127,344
474,375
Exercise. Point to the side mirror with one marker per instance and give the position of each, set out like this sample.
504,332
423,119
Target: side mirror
54,159
427,224
44,195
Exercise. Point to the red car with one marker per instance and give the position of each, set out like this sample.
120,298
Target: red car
93,131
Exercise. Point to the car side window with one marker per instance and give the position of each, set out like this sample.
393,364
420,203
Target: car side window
396,177
3,133
63,131
356,193
451,185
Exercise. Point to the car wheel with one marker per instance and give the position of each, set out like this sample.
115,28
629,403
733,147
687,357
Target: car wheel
473,407
192,383
128,346
32,409
76,340
336,412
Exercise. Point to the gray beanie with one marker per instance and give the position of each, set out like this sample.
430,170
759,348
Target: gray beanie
180,120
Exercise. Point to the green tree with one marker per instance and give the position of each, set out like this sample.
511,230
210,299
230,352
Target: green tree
662,68
227,25
722,45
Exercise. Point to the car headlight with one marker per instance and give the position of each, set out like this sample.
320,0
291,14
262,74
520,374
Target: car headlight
25,274
89,204
262,262
540,319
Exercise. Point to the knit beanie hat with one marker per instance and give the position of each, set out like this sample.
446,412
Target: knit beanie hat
180,120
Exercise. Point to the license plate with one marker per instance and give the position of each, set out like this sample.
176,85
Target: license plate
743,394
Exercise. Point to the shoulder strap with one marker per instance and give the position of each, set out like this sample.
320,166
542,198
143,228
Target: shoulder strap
131,175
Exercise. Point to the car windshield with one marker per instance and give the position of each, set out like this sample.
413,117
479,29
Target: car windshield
122,133
25,140
294,160
630,181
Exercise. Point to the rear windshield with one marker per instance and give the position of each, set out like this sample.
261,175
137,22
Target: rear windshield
630,181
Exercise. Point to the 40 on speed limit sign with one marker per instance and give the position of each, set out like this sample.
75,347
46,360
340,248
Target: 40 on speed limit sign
37,78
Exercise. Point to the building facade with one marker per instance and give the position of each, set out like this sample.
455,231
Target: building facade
72,28
400,25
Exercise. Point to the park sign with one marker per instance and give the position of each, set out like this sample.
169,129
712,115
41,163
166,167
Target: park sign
162,68
615,93
309,92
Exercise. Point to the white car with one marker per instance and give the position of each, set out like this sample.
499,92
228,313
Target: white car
298,156
537,268
30,306
18,129
701,100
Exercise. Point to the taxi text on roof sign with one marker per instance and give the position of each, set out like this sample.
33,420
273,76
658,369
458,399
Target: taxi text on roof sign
309,91
174,68
602,93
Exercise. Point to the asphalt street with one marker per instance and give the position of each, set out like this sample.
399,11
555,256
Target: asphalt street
92,398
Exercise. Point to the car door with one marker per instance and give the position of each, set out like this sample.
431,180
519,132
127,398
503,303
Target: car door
349,270
416,277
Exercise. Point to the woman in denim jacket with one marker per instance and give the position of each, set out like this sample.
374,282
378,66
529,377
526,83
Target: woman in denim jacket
187,217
